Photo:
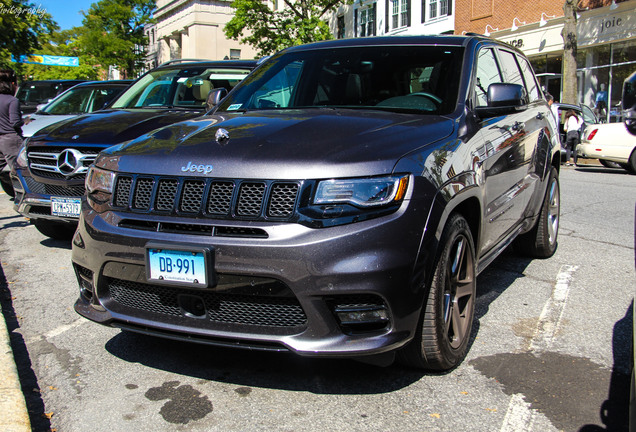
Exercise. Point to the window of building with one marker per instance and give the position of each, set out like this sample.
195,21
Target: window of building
367,21
341,27
432,9
601,71
235,54
443,7
398,14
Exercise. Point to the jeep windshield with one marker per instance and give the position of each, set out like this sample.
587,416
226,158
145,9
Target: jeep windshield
187,88
420,79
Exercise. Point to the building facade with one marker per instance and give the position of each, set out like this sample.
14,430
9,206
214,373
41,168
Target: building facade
606,39
393,17
194,29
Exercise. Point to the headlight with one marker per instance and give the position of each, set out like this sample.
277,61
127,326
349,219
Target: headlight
98,179
368,192
21,160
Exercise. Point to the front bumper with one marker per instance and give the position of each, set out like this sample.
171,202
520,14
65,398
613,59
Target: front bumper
33,198
281,293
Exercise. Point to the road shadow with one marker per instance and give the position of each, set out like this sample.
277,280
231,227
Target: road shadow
287,371
28,379
614,412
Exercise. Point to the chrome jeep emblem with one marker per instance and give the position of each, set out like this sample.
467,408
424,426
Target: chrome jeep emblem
221,136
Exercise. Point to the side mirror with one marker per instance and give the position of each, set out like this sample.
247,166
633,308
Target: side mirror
629,103
214,97
504,99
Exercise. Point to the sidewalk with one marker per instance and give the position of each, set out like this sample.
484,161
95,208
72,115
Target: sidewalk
14,416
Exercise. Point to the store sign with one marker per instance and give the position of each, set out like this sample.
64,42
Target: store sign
606,28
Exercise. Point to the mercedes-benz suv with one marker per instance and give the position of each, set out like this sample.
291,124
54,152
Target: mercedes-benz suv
340,202
49,179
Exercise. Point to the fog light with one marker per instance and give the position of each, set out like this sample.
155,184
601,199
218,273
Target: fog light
78,240
362,316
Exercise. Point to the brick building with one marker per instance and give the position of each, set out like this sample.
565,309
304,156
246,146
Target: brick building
606,33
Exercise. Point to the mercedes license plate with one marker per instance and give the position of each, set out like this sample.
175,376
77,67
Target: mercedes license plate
185,267
66,207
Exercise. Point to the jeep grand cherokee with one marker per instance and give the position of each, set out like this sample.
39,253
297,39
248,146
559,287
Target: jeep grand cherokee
49,180
340,202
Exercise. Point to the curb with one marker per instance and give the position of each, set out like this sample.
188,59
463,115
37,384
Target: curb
14,416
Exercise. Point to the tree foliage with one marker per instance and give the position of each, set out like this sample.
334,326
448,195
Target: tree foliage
24,27
65,43
114,33
267,30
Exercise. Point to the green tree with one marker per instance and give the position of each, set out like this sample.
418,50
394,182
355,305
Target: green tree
114,33
267,30
24,27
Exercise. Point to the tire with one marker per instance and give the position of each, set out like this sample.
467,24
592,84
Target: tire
541,241
7,187
631,165
55,230
441,340
609,164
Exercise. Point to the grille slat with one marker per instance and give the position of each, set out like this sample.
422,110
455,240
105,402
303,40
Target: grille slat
227,199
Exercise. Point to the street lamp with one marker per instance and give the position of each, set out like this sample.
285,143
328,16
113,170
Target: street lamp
487,33
613,5
514,27
544,21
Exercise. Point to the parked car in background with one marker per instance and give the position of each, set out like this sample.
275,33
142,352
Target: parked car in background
583,112
339,202
611,144
49,178
34,93
80,99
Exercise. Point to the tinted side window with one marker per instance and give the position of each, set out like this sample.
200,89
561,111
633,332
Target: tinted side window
531,82
509,65
487,73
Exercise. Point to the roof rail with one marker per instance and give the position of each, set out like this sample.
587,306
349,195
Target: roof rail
186,60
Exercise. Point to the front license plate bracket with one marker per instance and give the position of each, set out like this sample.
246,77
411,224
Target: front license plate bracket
180,264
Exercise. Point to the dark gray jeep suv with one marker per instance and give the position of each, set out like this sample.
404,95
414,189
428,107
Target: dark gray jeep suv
339,202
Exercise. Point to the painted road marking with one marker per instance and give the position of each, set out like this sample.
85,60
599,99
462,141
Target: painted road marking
520,416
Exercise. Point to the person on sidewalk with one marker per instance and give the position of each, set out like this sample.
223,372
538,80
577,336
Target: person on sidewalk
10,120
572,128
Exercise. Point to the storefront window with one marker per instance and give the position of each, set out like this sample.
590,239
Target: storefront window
548,71
601,72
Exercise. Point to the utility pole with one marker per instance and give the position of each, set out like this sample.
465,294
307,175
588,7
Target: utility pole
569,94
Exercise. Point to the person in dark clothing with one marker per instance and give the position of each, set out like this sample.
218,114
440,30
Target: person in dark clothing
572,127
10,122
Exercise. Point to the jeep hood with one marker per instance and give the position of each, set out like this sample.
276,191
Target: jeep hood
298,144
110,127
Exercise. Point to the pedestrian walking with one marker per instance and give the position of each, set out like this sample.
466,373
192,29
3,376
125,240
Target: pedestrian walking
572,127
10,120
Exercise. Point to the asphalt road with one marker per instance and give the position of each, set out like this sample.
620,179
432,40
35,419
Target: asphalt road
550,348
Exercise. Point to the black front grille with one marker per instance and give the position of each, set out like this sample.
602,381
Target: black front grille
55,190
214,198
242,309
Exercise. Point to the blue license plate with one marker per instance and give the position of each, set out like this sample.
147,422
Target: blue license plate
180,266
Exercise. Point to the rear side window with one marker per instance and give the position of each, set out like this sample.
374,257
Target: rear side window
509,65
487,73
531,82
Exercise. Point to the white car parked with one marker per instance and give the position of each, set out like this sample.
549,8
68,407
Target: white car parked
611,144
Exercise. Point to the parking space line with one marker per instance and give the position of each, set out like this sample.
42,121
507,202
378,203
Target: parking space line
550,318
520,416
